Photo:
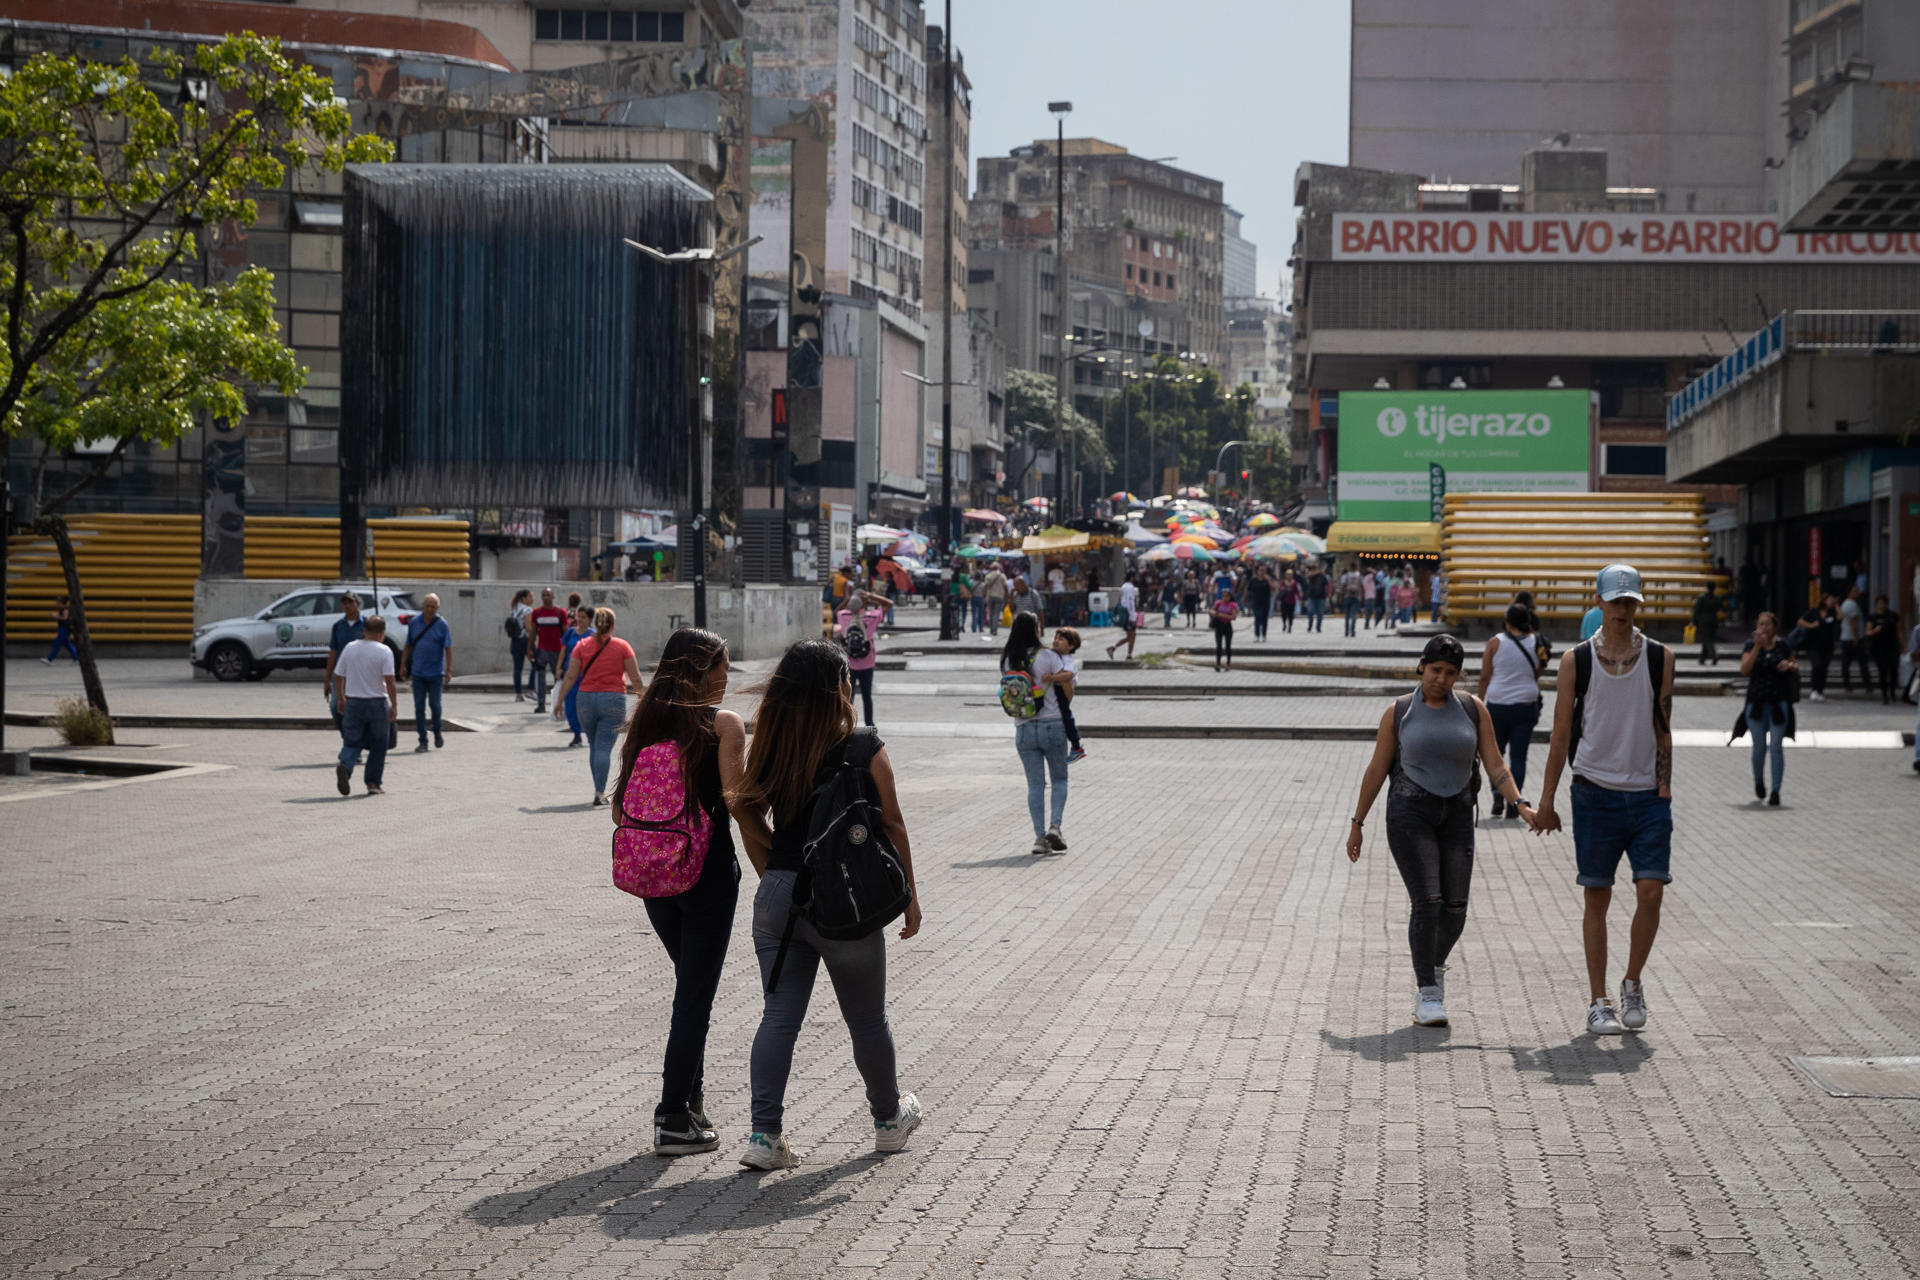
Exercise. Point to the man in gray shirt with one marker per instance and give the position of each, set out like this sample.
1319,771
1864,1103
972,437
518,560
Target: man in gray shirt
1853,642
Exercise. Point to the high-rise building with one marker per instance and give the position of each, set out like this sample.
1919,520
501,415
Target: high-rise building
1852,159
1239,260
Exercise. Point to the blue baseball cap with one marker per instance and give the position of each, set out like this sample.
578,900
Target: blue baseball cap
1617,581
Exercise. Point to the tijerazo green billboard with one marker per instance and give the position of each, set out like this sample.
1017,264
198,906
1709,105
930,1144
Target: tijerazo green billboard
1486,441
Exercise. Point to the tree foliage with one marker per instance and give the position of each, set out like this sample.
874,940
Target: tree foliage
1030,413
1174,415
103,189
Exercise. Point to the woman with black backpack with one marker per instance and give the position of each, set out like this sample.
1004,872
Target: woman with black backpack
1430,744
681,708
804,745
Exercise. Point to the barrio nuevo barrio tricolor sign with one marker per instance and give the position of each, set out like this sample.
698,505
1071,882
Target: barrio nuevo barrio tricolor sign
1602,237
1486,441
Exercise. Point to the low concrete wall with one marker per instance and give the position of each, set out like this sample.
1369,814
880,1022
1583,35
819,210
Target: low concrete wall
759,620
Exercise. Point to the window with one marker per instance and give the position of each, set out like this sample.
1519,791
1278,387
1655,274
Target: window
1129,271
980,275
609,26
1634,460
298,607
1169,279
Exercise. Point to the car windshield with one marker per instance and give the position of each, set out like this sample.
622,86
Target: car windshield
403,600
293,607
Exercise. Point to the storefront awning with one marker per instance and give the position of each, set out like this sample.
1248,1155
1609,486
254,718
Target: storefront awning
1056,543
1384,537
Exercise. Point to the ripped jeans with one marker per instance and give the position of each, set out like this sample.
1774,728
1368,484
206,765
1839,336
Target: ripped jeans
1432,842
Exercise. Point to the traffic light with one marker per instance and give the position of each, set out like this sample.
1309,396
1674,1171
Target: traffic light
1245,474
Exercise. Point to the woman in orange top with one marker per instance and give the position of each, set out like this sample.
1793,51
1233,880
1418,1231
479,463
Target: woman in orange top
603,667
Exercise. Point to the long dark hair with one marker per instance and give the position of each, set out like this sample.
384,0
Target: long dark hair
673,708
805,715
1023,641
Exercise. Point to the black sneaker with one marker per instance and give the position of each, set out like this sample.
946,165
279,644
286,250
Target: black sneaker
343,778
680,1134
1774,799
1499,806
438,741
1759,789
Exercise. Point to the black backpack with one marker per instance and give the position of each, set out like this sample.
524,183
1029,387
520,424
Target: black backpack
512,627
854,638
851,881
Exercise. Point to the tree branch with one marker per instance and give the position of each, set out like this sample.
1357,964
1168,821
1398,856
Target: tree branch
53,505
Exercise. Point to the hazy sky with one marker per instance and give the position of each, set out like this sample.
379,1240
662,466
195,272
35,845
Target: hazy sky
1239,90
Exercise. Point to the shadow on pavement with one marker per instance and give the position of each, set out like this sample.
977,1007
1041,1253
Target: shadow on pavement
630,1203
559,808
1394,1046
1584,1058
1012,860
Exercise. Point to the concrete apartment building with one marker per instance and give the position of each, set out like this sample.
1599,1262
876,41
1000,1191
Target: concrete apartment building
860,68
1239,258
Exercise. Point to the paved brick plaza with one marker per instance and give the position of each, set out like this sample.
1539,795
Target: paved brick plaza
255,1030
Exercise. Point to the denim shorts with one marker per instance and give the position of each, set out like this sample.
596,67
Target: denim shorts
1607,824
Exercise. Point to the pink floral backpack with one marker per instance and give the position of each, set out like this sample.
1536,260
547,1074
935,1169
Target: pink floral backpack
658,850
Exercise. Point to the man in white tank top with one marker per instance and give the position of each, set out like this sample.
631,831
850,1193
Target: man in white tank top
1618,735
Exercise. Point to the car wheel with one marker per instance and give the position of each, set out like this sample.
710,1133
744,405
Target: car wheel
229,661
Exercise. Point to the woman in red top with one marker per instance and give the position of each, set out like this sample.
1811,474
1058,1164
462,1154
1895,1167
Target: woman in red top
1224,611
603,666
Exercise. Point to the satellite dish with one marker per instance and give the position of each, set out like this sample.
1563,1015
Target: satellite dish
1146,328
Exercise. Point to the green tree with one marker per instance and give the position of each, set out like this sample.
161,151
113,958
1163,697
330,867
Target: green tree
103,191
1175,416
1030,422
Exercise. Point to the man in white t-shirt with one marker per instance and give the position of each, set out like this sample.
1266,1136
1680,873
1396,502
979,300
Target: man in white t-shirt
1853,644
1129,615
369,706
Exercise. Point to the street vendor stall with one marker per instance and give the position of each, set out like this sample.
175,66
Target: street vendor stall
1087,562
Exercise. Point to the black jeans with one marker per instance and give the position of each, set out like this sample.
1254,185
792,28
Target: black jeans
1260,615
1852,651
1822,658
1432,843
694,927
1513,724
1888,660
1286,615
863,685
518,648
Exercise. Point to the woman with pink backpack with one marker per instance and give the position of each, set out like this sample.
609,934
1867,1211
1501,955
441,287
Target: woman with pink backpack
673,848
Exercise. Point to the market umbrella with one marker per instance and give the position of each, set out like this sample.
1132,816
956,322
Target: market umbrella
1158,555
1141,536
984,516
1191,551
1308,544
878,535
1036,504
893,573
1226,554
1278,546
971,552
1265,520
1195,540
912,544
1124,496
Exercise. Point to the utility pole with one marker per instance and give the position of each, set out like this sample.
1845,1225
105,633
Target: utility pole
1064,339
947,628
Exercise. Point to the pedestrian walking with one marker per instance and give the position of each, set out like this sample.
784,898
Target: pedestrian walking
1768,664
1350,598
1021,599
1190,597
858,629
1853,641
1883,645
428,662
62,632
604,668
1318,584
1369,596
1129,616
1169,601
699,755
1225,610
517,638
1706,624
1436,596
803,739
1260,599
1041,739
961,589
548,624
1428,751
1820,633
1289,600
1613,725
1510,688
994,587
345,631
369,705
582,628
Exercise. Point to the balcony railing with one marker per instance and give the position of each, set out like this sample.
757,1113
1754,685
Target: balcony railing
1870,332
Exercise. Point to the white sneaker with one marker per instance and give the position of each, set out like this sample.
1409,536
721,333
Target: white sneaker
1816,697
1601,1019
1440,979
1056,841
1040,847
769,1151
1428,1008
891,1135
1633,1005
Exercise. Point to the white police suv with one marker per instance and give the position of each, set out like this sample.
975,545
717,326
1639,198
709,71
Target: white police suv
291,632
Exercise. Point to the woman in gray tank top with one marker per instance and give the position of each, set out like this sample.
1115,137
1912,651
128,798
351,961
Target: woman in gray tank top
1428,745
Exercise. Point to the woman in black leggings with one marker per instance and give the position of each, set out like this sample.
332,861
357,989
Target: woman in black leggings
1428,744
1224,611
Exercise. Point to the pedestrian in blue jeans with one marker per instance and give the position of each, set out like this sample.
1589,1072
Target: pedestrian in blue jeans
582,628
1042,740
803,735
1768,664
603,667
1510,687
369,705
428,659
62,633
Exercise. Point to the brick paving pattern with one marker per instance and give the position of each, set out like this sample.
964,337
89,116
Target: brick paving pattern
252,1029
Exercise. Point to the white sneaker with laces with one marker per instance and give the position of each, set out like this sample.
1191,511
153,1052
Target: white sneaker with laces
769,1151
1633,1005
1429,1010
1602,1020
891,1135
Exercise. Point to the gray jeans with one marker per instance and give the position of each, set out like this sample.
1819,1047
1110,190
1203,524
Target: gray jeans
858,971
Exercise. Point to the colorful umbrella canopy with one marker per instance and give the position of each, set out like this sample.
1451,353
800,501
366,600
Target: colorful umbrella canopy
1226,555
1037,504
1195,540
979,553
1278,546
1265,520
911,544
1124,496
1193,491
1141,536
878,535
984,516
893,573
1179,551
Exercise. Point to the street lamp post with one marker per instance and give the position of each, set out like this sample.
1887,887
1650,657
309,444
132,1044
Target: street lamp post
1060,112
947,628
